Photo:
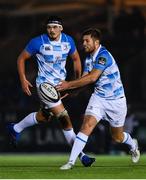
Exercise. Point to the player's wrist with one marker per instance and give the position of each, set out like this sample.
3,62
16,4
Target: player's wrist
70,85
23,78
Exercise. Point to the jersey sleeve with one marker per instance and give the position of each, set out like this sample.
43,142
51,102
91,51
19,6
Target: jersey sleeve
33,46
102,61
72,44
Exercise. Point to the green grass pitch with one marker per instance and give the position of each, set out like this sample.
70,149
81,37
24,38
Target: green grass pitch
47,167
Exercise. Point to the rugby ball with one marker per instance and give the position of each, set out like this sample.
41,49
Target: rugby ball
49,92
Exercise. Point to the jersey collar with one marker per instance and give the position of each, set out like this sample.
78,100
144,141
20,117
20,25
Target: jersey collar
96,53
56,42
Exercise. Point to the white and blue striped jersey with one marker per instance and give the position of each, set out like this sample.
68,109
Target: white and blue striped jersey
51,57
109,85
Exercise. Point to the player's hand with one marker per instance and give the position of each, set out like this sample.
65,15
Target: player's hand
26,87
63,85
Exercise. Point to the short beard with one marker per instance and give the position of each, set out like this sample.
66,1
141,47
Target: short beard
89,52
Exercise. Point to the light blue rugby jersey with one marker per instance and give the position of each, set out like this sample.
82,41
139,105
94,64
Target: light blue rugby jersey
51,57
109,84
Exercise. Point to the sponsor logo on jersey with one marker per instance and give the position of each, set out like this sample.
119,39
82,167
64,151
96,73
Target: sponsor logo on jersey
56,48
58,58
102,60
65,47
47,48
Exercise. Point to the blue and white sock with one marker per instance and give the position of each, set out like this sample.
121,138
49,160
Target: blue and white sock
129,141
78,146
70,136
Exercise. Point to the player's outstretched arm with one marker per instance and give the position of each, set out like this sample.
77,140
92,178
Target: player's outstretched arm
85,80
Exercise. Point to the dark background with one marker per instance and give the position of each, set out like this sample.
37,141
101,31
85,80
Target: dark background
123,25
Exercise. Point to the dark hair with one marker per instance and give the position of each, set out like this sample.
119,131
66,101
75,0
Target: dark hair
54,19
95,33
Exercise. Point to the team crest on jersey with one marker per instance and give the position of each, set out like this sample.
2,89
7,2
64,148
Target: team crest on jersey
102,60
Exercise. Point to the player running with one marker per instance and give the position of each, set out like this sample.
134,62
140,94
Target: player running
108,100
51,51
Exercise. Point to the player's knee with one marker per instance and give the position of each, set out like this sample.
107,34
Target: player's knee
41,116
64,119
88,125
117,138
86,128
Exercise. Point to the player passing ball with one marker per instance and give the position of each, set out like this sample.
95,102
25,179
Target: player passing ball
108,101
